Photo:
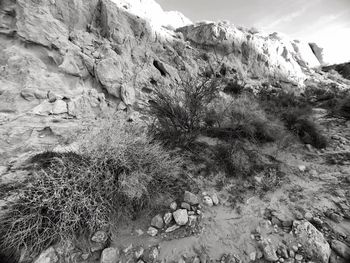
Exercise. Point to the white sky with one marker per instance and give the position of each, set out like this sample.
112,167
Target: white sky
326,22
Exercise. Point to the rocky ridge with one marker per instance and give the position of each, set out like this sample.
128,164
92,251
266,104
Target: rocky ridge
63,64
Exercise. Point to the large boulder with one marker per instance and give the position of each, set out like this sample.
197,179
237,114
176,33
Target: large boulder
312,241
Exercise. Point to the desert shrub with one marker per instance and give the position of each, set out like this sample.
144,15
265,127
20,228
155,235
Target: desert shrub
295,112
242,117
237,159
342,108
301,124
178,114
118,171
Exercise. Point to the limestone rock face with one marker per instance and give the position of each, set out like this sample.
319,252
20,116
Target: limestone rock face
264,54
65,63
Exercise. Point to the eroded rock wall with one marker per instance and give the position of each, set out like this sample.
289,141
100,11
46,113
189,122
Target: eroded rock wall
64,63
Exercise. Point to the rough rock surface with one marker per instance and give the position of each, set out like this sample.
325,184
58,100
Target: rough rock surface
313,241
63,64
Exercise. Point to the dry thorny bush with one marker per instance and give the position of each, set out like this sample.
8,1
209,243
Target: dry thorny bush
117,171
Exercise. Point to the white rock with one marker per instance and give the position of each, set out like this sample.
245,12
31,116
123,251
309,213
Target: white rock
157,222
172,228
181,217
302,168
100,237
152,231
207,201
167,218
191,198
215,199
173,206
109,255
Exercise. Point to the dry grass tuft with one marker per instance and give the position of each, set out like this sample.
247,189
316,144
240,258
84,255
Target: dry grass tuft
118,171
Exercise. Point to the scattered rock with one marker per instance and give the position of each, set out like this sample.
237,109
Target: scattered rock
186,206
207,201
173,206
139,252
192,220
191,198
100,237
157,221
152,254
308,216
167,218
48,256
139,232
341,249
109,255
181,217
172,228
302,168
298,257
313,242
215,199
152,231
127,249
269,251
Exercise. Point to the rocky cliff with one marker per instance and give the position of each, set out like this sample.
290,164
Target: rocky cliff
63,63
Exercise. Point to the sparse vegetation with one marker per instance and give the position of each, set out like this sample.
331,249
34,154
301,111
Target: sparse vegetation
115,174
295,112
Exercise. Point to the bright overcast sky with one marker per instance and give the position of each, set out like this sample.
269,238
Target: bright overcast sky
326,22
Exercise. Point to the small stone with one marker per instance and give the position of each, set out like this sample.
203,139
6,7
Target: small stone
139,252
317,221
191,213
192,220
181,260
127,249
157,221
181,217
109,255
100,237
281,260
336,217
252,256
208,201
172,228
186,206
295,248
139,232
152,231
291,253
302,168
308,216
191,198
215,199
173,206
269,251
85,256
152,254
341,249
284,253
275,221
298,257
167,218
196,260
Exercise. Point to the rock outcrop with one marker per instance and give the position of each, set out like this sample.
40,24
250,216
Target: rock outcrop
64,63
